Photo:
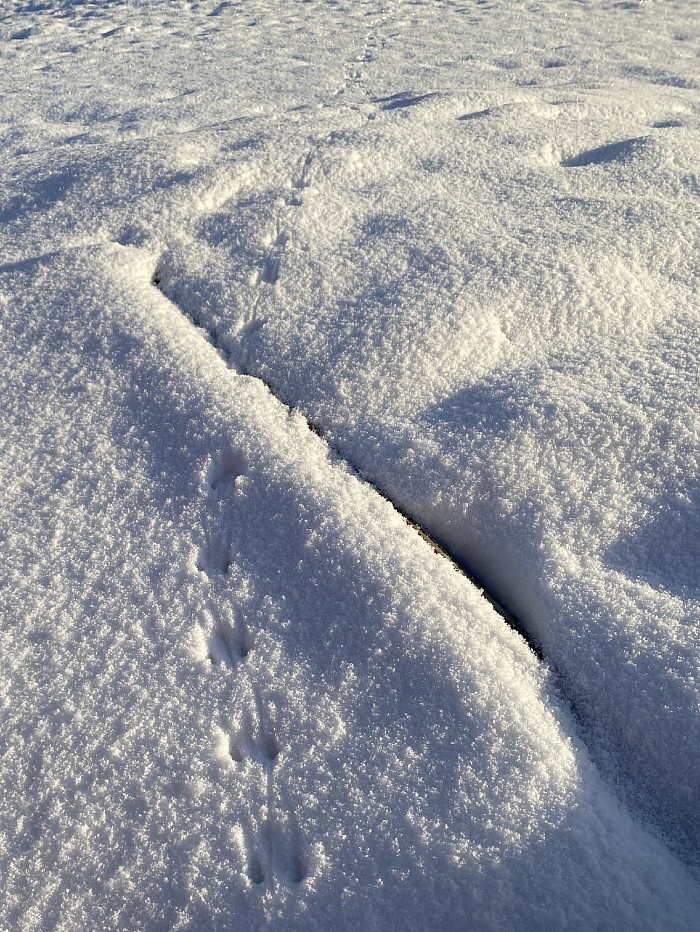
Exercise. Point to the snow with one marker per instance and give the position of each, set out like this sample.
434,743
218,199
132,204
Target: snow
268,273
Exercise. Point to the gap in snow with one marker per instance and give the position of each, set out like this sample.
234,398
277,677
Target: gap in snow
211,336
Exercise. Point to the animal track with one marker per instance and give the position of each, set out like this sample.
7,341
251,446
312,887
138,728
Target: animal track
353,76
302,181
276,852
270,271
229,747
228,638
251,739
225,469
256,873
249,744
280,237
273,849
283,844
215,556
283,858
216,553
236,750
251,326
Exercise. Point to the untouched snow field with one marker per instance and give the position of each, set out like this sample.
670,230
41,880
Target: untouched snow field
272,273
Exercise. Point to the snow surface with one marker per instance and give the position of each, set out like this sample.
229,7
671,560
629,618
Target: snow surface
239,691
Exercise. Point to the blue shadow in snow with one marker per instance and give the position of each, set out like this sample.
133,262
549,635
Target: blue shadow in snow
664,551
496,407
620,151
402,100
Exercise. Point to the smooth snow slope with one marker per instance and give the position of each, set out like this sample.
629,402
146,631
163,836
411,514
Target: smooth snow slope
239,692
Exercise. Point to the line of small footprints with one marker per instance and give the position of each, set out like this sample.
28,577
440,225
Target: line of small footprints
274,245
374,42
269,271
277,853
229,640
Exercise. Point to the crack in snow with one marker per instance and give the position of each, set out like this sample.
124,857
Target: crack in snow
211,336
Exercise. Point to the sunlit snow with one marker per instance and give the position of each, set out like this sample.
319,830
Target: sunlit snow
275,277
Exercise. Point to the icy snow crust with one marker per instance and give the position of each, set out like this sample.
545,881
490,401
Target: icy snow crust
238,690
